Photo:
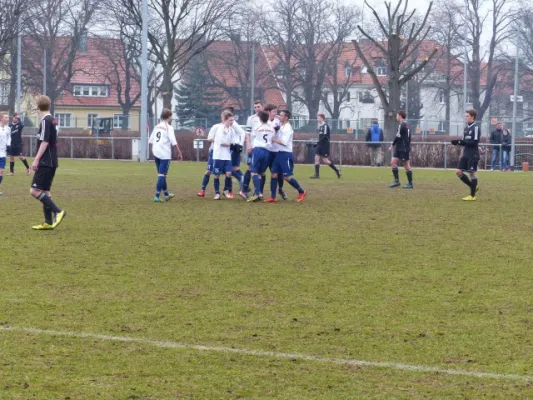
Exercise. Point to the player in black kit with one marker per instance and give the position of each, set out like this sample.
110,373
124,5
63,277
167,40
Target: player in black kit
322,147
16,149
402,148
470,158
44,165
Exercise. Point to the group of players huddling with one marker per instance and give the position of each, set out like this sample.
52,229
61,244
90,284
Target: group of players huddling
269,143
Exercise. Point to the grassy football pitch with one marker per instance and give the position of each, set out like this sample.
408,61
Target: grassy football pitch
434,293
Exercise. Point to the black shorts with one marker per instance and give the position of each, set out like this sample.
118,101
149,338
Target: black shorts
15,151
468,164
43,178
322,150
402,155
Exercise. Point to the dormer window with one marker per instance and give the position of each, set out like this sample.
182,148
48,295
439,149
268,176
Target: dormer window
381,68
347,70
90,91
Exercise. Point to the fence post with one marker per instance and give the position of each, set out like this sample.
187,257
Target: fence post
71,147
197,152
501,157
340,154
31,146
445,155
112,148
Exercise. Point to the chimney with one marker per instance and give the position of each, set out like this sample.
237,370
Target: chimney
83,42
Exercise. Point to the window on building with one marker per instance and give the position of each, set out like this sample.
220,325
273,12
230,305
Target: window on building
64,120
90,91
118,120
91,119
347,70
366,97
381,68
4,93
442,126
442,97
348,96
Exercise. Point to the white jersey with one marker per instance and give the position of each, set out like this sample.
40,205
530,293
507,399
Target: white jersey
285,134
262,136
5,140
274,123
223,136
211,135
162,140
251,125
239,135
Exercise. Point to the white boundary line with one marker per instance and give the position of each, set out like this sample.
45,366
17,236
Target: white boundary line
272,354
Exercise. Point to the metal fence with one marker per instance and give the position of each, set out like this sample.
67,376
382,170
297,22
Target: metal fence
423,154
356,129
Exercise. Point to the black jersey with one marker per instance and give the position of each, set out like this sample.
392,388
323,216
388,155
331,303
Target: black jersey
471,137
48,133
324,135
402,141
16,133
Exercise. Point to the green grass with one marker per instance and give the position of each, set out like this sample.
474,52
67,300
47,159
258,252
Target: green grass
357,271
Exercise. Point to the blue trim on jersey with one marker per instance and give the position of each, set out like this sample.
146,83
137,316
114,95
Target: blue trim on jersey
235,159
222,167
283,164
210,161
260,160
162,166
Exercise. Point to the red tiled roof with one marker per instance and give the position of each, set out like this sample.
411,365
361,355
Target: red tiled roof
94,68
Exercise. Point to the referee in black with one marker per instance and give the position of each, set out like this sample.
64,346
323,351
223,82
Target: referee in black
470,158
402,149
44,165
16,149
322,147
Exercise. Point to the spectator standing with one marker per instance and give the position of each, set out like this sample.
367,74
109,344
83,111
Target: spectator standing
506,150
496,141
374,139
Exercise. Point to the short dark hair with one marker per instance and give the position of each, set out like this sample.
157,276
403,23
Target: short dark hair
286,112
263,116
321,115
43,103
472,113
270,107
258,102
166,114
230,109
402,114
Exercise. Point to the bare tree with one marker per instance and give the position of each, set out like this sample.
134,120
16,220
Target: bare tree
179,30
279,28
230,62
484,62
446,22
122,52
338,81
55,31
12,18
323,25
404,36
